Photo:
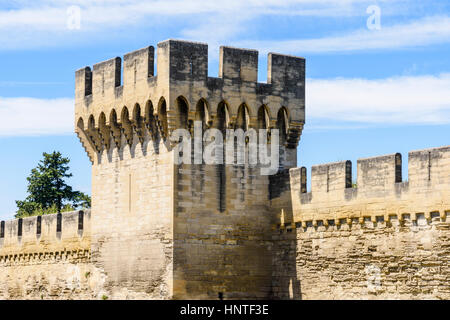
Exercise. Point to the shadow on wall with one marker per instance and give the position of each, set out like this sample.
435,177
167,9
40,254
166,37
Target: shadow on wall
285,282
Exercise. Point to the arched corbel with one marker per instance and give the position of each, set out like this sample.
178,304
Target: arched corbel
84,139
105,131
116,130
137,123
126,126
150,119
94,134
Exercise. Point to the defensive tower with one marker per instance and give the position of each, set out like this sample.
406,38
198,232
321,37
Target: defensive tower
184,230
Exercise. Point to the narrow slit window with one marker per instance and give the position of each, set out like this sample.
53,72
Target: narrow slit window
429,165
348,174
398,168
58,222
80,220
191,66
19,227
221,186
38,225
303,180
2,229
328,178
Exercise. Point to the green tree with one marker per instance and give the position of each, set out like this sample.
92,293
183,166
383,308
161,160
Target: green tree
48,191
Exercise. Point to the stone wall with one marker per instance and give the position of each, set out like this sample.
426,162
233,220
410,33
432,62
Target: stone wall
49,261
380,190
132,221
222,247
382,260
381,238
104,105
161,230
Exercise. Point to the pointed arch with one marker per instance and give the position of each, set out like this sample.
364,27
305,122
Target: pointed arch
80,123
263,121
104,130
83,135
182,113
93,133
137,121
137,115
222,118
282,124
115,127
126,125
113,117
149,118
101,118
243,117
202,112
91,122
124,114
162,117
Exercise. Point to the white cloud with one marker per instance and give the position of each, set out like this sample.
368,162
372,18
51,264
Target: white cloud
36,24
48,14
30,116
427,31
391,101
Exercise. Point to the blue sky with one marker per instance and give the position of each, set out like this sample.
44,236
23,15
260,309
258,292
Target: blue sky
370,91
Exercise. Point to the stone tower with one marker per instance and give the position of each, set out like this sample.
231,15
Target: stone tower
166,230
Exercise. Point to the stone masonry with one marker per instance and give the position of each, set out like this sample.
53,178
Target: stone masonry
162,230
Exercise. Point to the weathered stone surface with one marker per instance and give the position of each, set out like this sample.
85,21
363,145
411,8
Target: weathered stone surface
364,262
343,234
189,231
160,230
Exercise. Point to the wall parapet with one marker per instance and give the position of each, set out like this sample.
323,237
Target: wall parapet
366,222
179,60
379,189
147,106
402,257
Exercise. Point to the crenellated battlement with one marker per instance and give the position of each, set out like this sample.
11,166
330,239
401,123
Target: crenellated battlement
147,106
379,189
180,61
47,233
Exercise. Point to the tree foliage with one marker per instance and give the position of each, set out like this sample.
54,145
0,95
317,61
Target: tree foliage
48,191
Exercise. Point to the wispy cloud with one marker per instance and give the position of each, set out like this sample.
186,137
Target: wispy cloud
131,10
423,32
30,116
391,101
35,24
330,104
47,14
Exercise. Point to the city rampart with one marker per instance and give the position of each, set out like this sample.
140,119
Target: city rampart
381,237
